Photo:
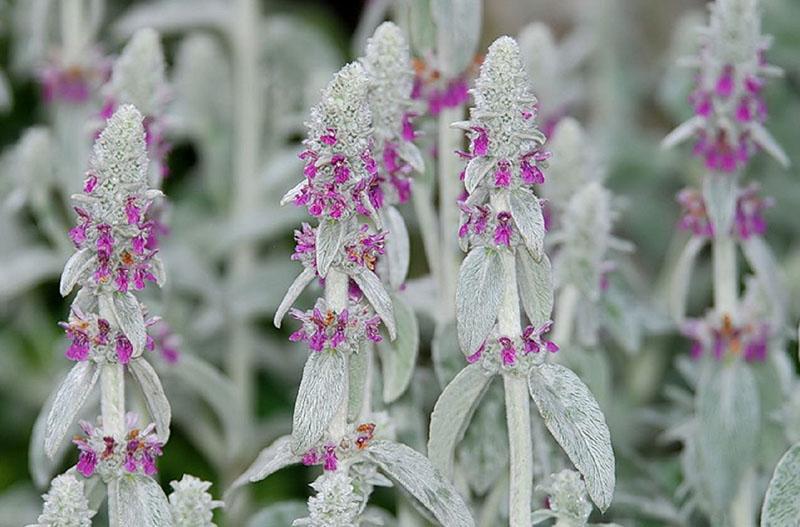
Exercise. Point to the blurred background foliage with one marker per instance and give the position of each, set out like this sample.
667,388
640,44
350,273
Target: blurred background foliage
631,94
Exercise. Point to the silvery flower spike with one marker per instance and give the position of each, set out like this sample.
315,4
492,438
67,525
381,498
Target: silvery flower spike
503,229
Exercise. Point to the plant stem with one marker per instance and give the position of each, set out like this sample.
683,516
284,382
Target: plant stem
725,278
428,227
112,399
72,30
247,132
518,412
565,315
336,298
449,186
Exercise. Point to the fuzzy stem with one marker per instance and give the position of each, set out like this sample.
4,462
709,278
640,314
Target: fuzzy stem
449,187
336,298
725,279
247,133
565,315
428,227
518,412
366,398
518,417
71,30
112,399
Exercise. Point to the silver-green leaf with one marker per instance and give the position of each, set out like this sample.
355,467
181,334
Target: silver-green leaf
527,213
397,247
452,413
373,289
124,308
574,418
74,269
69,399
476,170
300,283
478,294
458,28
399,358
535,281
330,237
321,392
270,460
781,505
154,396
415,473
137,500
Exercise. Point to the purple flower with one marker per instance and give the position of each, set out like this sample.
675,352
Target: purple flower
502,176
695,216
507,351
123,349
749,218
534,341
503,230
480,141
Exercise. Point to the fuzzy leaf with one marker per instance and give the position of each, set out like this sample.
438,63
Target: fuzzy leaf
683,132
399,359
373,289
397,247
535,286
330,236
270,460
75,267
527,213
69,399
300,283
154,396
409,152
781,506
446,354
414,472
137,500
458,28
476,170
321,392
124,309
768,272
682,276
478,294
728,422
157,267
764,139
281,513
483,453
572,415
452,413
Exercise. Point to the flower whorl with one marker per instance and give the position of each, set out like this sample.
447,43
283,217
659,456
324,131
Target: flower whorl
139,76
336,503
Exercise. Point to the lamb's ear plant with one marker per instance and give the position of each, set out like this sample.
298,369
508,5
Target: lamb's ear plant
344,188
503,229
729,438
108,332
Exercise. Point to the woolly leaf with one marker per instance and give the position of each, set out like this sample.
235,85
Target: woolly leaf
154,396
134,499
452,413
414,472
527,213
74,269
320,395
397,247
373,289
330,236
70,397
478,294
271,459
300,283
535,281
781,506
572,415
399,359
458,28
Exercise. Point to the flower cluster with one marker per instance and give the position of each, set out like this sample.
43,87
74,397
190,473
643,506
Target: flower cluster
505,142
481,225
436,91
93,338
336,503
136,452
329,454
339,166
728,99
73,83
388,65
748,219
112,225
65,504
725,336
360,249
516,354
191,504
566,497
324,329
